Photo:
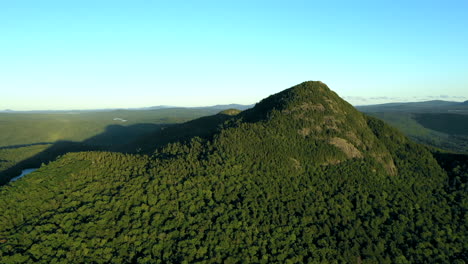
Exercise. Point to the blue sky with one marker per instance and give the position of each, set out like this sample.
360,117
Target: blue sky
104,54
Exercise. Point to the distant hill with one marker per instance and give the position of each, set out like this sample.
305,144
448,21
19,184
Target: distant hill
215,107
229,106
302,177
155,107
427,106
231,112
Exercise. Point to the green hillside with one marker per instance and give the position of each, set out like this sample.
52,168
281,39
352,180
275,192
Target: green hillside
453,124
439,124
441,130
302,177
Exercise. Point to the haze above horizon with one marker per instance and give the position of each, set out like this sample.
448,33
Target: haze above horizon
128,54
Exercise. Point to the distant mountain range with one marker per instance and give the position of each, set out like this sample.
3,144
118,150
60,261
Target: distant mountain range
157,107
426,106
220,107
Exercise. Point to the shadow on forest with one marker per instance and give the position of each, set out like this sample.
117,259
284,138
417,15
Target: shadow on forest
115,138
138,138
26,145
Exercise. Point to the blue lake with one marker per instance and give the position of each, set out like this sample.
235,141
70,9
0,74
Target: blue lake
23,173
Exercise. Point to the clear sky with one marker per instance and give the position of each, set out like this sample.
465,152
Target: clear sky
82,54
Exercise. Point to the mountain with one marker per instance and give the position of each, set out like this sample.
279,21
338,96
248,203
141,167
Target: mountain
301,177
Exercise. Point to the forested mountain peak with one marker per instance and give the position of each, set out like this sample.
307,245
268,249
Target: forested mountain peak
313,115
310,95
302,177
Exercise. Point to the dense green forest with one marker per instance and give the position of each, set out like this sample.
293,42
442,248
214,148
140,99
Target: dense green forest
302,177
9,157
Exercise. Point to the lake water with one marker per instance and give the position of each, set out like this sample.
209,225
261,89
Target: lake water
23,173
